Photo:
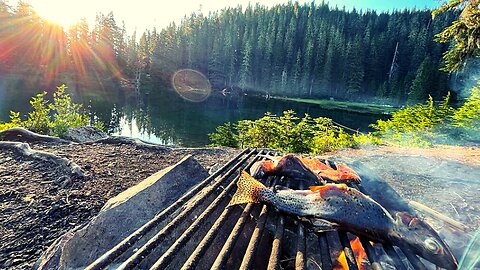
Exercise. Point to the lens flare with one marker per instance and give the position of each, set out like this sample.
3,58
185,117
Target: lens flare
191,85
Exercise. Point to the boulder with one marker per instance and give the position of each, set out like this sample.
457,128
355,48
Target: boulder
122,215
84,134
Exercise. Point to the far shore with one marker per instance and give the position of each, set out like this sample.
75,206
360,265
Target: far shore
357,107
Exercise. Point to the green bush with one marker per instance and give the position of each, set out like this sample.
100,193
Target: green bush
52,119
67,114
428,124
39,118
419,125
224,136
288,133
468,116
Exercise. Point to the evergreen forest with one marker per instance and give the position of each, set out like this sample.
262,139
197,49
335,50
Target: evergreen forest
309,51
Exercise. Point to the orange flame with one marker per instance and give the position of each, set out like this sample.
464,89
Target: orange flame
359,253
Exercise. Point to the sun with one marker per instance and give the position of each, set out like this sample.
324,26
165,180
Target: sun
64,13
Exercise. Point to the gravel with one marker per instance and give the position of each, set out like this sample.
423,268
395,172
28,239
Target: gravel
39,203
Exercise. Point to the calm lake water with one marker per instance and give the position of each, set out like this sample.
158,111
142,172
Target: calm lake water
166,118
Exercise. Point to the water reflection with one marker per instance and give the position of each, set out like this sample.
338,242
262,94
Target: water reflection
169,119
164,117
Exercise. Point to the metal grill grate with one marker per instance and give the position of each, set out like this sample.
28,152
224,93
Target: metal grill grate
198,232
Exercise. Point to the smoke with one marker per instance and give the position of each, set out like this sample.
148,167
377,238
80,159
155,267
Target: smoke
463,81
472,254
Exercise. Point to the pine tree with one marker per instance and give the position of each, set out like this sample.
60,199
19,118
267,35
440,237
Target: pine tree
423,83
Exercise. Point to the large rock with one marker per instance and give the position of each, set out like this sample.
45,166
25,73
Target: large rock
84,134
122,215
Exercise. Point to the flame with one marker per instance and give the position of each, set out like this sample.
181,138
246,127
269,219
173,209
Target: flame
359,253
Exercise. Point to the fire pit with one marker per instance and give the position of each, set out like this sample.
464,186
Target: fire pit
198,231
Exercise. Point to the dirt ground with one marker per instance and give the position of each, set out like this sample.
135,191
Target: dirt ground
40,202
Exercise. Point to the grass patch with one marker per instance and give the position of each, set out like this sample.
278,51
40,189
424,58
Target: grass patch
357,107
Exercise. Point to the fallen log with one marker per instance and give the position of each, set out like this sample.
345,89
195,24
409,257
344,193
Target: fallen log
18,134
449,221
23,149
130,141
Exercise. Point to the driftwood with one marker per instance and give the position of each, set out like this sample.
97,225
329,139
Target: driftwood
23,149
131,141
449,221
22,135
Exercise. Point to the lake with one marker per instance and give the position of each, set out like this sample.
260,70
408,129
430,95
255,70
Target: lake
165,117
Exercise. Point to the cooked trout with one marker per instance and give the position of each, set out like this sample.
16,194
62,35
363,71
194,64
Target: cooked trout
310,169
337,206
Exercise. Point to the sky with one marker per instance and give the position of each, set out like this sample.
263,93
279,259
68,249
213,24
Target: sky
145,14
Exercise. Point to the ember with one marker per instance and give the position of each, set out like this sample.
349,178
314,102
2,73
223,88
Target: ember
359,253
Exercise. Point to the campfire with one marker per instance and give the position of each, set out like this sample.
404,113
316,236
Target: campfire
200,230
358,252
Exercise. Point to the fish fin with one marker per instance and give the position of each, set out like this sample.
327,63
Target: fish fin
248,190
327,186
407,219
315,188
322,225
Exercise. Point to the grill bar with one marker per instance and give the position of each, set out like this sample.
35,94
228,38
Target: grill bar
107,258
232,238
347,249
394,256
202,247
196,255
274,261
324,251
413,259
166,258
255,240
300,258
146,249
371,255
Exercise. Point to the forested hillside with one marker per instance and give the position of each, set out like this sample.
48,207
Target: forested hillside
290,50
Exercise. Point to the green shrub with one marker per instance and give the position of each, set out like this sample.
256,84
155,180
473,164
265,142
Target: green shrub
289,133
67,114
15,121
52,119
419,125
468,116
39,118
258,133
224,136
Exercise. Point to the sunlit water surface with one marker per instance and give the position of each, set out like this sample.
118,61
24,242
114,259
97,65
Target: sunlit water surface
165,118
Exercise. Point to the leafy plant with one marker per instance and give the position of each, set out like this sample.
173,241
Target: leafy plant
67,114
427,124
53,119
463,33
289,133
468,116
39,119
224,136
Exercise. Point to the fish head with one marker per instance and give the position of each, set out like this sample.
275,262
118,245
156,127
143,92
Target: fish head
423,240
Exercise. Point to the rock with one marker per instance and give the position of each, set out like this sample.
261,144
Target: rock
84,134
122,215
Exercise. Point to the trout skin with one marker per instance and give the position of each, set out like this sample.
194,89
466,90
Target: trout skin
338,206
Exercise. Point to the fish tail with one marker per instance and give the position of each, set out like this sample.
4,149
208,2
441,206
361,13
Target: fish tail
249,190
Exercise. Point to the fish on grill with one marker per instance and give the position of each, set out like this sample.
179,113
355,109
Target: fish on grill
310,169
334,206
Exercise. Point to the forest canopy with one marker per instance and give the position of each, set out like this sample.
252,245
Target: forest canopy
294,50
